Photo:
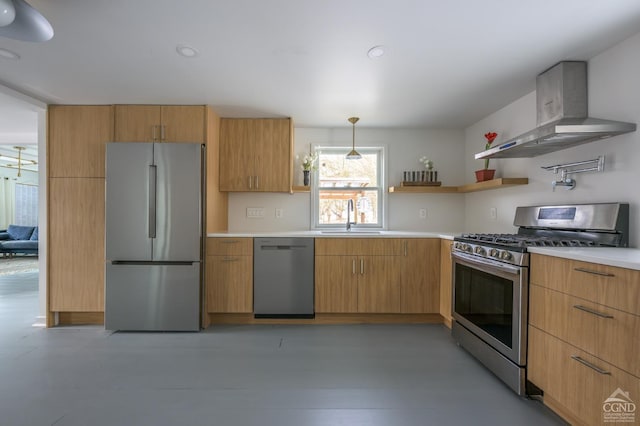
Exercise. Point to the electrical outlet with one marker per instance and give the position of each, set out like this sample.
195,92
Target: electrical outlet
279,213
493,213
255,212
423,213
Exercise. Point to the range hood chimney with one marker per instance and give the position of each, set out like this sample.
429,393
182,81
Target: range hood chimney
562,122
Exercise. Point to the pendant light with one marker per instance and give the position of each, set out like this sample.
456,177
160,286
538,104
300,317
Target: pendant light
354,155
20,21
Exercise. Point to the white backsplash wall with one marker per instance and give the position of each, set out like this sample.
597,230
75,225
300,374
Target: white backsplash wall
614,93
445,212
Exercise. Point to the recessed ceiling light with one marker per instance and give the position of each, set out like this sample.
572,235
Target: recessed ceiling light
375,52
186,51
4,53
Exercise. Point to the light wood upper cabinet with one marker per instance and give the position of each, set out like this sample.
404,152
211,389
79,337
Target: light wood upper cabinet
446,273
255,155
160,123
76,254
77,135
229,269
420,291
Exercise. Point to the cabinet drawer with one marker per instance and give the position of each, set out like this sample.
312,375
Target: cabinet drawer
569,376
359,246
229,246
610,334
614,287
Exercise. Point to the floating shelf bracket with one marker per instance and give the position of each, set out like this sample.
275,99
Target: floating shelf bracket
595,165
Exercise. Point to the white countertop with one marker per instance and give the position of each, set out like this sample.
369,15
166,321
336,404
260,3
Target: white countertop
320,234
622,257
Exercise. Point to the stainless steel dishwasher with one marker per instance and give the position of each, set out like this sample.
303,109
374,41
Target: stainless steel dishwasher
283,278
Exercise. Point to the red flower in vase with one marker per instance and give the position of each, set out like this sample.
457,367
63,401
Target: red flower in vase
491,136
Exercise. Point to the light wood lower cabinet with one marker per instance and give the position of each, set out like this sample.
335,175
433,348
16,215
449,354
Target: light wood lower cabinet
229,275
377,275
446,273
576,384
584,336
76,257
336,286
420,286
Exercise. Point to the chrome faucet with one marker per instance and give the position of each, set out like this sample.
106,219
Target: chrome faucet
349,210
564,181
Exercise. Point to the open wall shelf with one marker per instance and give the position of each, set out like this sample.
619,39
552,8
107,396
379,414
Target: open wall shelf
471,187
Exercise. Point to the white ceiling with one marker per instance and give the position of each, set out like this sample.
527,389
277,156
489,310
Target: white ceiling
447,63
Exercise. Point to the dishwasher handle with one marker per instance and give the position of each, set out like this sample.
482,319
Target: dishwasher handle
282,247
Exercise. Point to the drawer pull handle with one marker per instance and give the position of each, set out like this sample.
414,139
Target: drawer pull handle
591,311
589,271
588,364
361,266
230,259
353,266
229,241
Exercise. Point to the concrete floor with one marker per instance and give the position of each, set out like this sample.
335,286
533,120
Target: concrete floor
391,375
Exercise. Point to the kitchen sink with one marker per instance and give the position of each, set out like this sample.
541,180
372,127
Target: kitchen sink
351,232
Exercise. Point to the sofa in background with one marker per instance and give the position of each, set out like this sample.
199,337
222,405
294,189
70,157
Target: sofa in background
18,239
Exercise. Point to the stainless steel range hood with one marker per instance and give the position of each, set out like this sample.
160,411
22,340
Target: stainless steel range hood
561,98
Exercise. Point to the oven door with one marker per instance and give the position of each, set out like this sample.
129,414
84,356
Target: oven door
490,299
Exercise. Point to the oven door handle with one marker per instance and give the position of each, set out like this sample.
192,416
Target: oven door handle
505,267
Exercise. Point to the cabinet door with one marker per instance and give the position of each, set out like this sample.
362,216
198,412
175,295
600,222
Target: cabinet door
272,152
77,138
379,283
76,244
420,276
183,123
236,161
229,284
137,123
336,288
577,381
445,280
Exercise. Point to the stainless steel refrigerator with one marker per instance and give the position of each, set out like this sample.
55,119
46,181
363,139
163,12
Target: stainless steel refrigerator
154,236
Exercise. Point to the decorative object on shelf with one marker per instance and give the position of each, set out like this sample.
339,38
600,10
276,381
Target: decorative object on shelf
308,164
427,177
567,169
487,173
353,154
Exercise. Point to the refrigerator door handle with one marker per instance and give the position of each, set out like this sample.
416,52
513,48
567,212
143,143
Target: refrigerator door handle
153,177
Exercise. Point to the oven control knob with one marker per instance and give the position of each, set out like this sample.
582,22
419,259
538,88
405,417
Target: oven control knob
479,250
494,253
505,255
468,248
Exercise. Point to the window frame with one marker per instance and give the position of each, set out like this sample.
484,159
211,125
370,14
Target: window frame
381,171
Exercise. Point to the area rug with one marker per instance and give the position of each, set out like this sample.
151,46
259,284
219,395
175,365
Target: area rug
18,264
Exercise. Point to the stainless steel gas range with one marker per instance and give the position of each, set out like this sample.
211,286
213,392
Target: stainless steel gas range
491,278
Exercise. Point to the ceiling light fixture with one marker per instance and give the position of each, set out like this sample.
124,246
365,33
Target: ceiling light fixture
354,155
20,21
375,52
186,51
8,54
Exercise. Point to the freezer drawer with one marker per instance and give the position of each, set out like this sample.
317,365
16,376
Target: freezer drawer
145,297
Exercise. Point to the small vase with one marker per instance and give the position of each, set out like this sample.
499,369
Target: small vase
484,174
305,177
